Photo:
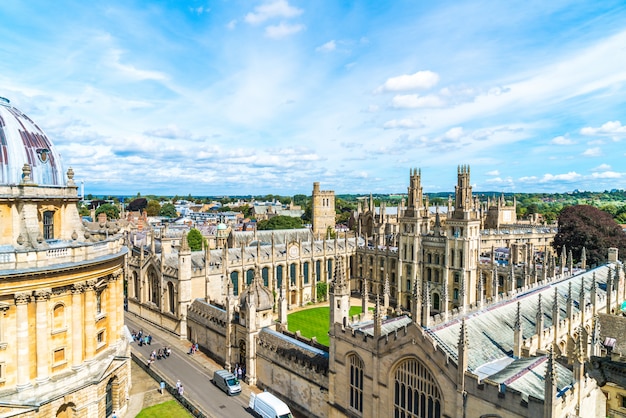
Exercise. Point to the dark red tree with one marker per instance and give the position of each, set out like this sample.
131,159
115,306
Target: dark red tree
589,227
138,204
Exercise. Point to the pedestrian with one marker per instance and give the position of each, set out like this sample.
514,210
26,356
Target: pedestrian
195,348
178,384
162,387
181,390
149,339
243,373
114,415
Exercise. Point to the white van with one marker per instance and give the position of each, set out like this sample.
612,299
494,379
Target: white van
267,405
226,381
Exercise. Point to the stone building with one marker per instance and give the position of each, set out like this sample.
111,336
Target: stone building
63,352
322,211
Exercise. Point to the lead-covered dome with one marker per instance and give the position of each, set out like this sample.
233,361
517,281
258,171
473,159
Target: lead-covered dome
256,294
23,142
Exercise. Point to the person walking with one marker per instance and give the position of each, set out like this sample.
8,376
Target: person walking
181,390
162,387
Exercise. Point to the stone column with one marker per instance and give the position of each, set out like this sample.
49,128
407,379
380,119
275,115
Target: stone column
89,320
77,325
43,353
21,316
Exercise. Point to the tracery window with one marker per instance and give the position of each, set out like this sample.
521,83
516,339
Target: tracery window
154,289
356,383
416,393
170,296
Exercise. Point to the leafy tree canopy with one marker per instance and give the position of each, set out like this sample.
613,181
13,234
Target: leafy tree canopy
138,204
153,208
112,211
280,222
168,210
195,239
589,227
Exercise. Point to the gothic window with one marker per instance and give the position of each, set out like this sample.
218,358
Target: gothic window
456,294
382,262
170,296
452,258
356,383
318,270
416,393
436,258
436,301
457,277
329,269
279,276
461,258
305,272
249,276
234,278
429,258
429,273
436,276
136,283
154,289
48,224
265,276
292,274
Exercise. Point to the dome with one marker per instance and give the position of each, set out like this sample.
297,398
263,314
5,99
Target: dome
23,142
221,227
257,294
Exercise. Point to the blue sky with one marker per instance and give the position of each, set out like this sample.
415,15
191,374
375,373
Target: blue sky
256,97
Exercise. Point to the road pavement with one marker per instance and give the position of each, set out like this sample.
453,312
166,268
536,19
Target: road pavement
194,371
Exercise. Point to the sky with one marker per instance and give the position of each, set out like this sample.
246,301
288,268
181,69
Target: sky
230,97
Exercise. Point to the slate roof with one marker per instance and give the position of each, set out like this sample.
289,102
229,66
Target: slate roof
490,331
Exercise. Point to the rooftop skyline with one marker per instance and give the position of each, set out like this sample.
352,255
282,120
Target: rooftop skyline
249,98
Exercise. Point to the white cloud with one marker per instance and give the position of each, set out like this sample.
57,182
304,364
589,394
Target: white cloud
327,47
493,173
419,80
571,176
200,10
275,9
232,24
612,129
592,152
131,71
601,167
454,133
561,140
282,30
415,101
607,175
401,124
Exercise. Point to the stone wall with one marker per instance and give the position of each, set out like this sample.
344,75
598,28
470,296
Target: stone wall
294,372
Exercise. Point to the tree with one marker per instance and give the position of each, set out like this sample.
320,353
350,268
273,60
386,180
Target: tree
589,227
168,210
195,239
111,211
138,204
280,222
153,208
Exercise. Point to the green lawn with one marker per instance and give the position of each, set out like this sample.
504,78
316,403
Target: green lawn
169,409
314,322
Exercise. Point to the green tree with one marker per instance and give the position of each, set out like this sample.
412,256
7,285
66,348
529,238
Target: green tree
280,222
589,227
153,208
195,239
111,211
321,288
168,210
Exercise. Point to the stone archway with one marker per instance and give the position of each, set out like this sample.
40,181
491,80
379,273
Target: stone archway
66,410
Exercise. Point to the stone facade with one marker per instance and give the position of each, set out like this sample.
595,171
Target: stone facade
63,352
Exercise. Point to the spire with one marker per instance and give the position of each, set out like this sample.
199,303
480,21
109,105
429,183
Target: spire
539,321
425,304
517,331
583,259
550,388
463,354
581,298
378,319
364,298
555,314
593,293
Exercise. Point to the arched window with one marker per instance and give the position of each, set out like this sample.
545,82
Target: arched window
356,383
170,297
98,303
58,317
266,277
329,269
416,393
318,270
292,274
436,301
136,284
279,276
154,289
234,278
249,276
429,274
305,272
